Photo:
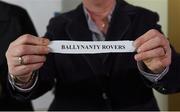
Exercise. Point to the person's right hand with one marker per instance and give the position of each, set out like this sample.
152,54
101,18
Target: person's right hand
25,55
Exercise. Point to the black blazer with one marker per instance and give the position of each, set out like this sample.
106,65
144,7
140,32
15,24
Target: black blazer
14,21
100,82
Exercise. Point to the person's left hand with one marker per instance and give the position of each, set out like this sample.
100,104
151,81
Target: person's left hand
154,50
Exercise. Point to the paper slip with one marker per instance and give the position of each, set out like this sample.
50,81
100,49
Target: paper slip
91,47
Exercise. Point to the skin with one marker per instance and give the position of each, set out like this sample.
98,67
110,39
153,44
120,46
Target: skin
152,48
99,11
98,6
32,50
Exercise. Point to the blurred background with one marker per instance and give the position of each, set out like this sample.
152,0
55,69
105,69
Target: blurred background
169,10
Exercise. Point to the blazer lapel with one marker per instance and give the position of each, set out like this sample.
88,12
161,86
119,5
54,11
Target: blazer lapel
78,30
119,25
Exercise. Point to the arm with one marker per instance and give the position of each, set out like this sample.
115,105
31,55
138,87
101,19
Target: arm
156,55
33,51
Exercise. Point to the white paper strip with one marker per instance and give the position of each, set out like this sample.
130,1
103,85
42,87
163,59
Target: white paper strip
91,47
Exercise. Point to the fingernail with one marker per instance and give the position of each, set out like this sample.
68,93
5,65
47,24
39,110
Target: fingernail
139,50
135,57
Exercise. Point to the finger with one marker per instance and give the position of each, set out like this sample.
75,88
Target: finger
31,40
159,52
168,52
32,59
157,67
166,60
25,69
152,44
29,50
28,59
147,36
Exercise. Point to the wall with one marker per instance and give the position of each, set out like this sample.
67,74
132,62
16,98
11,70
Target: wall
174,23
174,34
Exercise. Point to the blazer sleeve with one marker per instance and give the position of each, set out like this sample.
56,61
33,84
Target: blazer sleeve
170,82
46,74
46,81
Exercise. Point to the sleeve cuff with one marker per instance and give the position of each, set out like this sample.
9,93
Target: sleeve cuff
150,76
16,87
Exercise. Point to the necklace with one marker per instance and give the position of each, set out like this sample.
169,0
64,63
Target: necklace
103,25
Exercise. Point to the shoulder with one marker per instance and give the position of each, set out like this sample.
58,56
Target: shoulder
139,12
67,17
64,19
141,19
146,13
9,10
57,25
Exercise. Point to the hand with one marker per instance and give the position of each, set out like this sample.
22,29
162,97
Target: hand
154,50
25,55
